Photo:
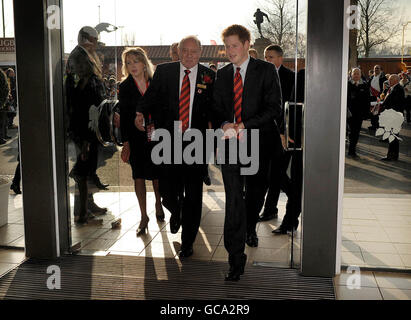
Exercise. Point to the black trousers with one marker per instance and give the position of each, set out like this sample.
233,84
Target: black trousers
355,124
293,209
279,180
244,201
84,168
181,189
393,149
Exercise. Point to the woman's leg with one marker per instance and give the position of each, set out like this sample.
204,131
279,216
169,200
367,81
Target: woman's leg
159,207
140,189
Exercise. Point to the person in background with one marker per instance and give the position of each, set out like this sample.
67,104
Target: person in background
278,179
4,95
84,88
253,53
213,67
137,145
174,52
358,103
12,103
376,84
370,74
394,99
406,84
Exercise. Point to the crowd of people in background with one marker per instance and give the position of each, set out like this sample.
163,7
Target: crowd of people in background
8,110
369,96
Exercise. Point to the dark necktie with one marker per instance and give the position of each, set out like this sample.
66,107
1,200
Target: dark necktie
238,95
185,102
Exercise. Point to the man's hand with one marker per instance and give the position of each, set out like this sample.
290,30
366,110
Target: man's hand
139,121
283,141
125,152
230,131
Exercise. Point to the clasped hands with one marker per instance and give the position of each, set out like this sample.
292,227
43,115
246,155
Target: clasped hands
232,130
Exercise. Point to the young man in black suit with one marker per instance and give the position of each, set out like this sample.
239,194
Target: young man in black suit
246,96
395,99
181,91
279,179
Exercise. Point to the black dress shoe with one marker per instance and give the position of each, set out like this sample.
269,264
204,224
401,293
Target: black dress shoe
15,188
175,223
252,240
387,159
7,137
269,214
283,230
96,181
186,252
236,269
2,141
94,208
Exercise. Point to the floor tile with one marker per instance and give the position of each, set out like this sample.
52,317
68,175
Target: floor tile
395,294
6,267
403,248
377,247
12,256
383,259
352,258
406,259
365,293
390,280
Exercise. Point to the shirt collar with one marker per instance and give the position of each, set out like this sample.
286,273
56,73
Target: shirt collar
193,69
244,65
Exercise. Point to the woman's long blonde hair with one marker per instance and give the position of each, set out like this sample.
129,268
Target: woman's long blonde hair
141,56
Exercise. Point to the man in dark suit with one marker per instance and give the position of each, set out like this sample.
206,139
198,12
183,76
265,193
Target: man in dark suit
278,177
246,96
395,99
181,91
376,84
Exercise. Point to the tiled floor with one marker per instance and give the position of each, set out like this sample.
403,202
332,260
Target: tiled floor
9,259
376,231
373,286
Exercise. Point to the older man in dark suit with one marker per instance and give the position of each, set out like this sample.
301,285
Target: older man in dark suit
181,91
247,96
395,99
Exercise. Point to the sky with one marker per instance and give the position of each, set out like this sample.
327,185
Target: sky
156,22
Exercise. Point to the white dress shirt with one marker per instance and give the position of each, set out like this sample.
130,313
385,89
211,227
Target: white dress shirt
192,77
243,69
375,82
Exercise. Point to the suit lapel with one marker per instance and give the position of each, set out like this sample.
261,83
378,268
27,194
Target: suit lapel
250,80
196,107
175,89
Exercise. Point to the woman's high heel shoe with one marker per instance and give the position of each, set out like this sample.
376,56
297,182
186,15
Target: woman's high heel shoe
143,227
160,214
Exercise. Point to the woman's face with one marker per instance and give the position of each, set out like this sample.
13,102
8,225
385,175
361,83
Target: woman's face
134,66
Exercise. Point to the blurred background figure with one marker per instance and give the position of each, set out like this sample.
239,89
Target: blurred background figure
253,53
174,52
84,88
406,84
4,94
358,104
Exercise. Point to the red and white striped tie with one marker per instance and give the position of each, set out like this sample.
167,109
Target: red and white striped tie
185,102
238,95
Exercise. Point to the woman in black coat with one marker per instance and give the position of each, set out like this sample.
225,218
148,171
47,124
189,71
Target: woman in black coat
358,104
137,71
